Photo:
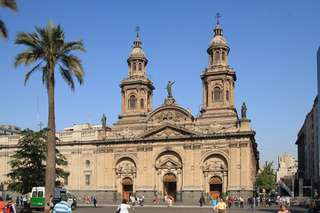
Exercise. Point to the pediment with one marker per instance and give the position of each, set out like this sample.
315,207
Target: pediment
168,164
169,130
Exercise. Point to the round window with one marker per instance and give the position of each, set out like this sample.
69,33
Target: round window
66,163
87,162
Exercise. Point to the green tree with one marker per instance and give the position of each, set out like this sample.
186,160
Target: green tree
10,5
28,163
50,48
265,179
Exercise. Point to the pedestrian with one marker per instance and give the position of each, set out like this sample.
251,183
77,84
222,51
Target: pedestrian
17,201
214,204
51,203
87,201
283,208
62,206
221,207
157,199
241,202
170,202
21,202
2,205
123,207
251,203
84,198
11,206
133,202
200,201
204,200
229,202
24,199
94,202
79,199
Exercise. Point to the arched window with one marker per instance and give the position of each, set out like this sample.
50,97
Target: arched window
134,67
142,104
132,101
140,66
217,56
216,93
223,56
227,95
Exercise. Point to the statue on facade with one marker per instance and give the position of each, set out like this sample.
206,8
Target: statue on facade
243,111
169,88
104,121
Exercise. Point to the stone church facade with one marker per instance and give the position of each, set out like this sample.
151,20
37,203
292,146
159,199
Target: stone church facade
165,151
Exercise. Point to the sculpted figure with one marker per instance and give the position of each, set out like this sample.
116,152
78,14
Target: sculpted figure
244,111
169,88
104,121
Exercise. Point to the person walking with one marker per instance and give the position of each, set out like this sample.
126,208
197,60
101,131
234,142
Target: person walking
241,202
24,199
200,201
251,203
123,207
170,202
133,202
221,207
17,201
51,203
94,202
62,206
11,206
2,205
214,204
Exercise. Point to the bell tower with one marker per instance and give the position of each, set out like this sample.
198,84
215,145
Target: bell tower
218,80
137,89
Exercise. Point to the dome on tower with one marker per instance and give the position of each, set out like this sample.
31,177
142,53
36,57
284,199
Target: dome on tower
137,52
218,39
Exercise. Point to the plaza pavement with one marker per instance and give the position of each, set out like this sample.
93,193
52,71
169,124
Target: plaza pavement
178,207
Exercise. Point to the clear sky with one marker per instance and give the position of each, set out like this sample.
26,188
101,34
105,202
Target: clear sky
273,52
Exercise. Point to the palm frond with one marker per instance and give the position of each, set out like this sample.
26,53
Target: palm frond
9,5
3,31
30,72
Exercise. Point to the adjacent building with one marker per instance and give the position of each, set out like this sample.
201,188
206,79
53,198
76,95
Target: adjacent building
287,166
163,151
308,149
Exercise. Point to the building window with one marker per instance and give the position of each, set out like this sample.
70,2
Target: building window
65,181
217,56
223,56
216,93
66,163
227,95
87,180
142,104
87,162
140,66
134,67
132,101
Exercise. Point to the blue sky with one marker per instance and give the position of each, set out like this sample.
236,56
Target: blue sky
273,52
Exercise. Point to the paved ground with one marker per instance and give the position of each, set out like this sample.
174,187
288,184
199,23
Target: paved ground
185,208
177,208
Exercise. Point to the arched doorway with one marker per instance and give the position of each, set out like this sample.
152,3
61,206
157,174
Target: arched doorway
215,188
127,188
170,185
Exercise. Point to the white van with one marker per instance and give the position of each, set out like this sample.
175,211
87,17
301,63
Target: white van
38,193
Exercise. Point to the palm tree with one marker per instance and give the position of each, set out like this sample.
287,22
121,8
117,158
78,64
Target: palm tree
52,51
10,5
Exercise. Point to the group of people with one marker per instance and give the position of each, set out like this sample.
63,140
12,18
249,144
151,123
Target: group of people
136,200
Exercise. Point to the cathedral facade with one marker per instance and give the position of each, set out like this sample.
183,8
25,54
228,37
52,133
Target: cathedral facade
165,151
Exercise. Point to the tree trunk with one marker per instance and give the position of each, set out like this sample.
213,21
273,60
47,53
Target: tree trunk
50,177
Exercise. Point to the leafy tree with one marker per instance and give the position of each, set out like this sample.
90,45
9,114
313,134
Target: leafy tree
265,179
28,163
51,50
10,5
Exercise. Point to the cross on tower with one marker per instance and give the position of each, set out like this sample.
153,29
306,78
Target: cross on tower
137,29
217,17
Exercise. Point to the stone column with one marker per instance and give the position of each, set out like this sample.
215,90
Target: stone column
225,182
